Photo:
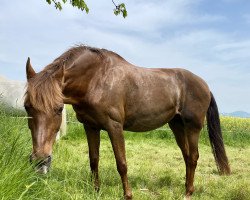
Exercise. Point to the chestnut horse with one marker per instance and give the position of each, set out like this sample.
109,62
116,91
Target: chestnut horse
108,93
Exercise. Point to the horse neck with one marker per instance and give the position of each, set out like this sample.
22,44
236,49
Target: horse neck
77,79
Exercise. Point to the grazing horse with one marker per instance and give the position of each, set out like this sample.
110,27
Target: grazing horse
108,93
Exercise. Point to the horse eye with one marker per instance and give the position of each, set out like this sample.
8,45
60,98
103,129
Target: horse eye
59,110
26,107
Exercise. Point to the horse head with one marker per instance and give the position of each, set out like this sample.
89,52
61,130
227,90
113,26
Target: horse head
43,104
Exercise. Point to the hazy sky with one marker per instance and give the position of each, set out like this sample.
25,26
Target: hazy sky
208,37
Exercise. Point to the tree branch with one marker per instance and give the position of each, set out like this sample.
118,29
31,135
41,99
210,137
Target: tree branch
80,4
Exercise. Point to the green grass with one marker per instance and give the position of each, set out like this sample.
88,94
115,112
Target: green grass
155,166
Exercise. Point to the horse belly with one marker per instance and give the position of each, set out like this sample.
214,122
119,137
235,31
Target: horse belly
141,121
152,100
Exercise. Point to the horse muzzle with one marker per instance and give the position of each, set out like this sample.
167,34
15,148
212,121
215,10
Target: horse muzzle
42,166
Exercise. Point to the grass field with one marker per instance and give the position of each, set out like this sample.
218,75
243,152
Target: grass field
155,166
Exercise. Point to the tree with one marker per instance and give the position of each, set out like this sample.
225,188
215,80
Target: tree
81,5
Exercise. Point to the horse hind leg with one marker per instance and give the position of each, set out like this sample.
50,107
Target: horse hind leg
187,137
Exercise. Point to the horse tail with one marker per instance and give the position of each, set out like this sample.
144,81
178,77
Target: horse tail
215,137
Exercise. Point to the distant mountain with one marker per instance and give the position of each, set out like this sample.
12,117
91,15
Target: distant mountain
241,114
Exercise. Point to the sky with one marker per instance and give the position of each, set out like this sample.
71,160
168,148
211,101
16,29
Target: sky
211,38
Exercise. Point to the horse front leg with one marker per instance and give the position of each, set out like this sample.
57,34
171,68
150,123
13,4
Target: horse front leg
117,140
93,137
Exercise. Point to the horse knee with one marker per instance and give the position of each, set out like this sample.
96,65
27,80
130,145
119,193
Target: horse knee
193,158
122,168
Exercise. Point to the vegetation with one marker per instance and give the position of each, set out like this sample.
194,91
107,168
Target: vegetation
156,167
81,5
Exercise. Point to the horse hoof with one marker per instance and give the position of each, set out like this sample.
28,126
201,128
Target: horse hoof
128,197
97,189
187,197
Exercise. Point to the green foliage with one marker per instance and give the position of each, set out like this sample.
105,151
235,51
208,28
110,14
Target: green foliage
80,4
120,8
16,175
235,132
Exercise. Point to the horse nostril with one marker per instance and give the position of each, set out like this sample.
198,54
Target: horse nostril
44,165
49,158
41,166
48,161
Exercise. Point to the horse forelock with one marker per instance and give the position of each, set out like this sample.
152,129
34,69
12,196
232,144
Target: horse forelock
44,92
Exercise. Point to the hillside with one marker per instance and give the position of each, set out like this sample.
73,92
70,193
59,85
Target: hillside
241,114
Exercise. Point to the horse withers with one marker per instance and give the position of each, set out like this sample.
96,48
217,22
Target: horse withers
108,93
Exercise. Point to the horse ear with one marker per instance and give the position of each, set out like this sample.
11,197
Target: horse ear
30,72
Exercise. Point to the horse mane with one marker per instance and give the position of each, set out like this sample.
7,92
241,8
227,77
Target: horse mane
75,51
44,90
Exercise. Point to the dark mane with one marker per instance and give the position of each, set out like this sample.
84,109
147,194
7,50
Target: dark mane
67,57
70,55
